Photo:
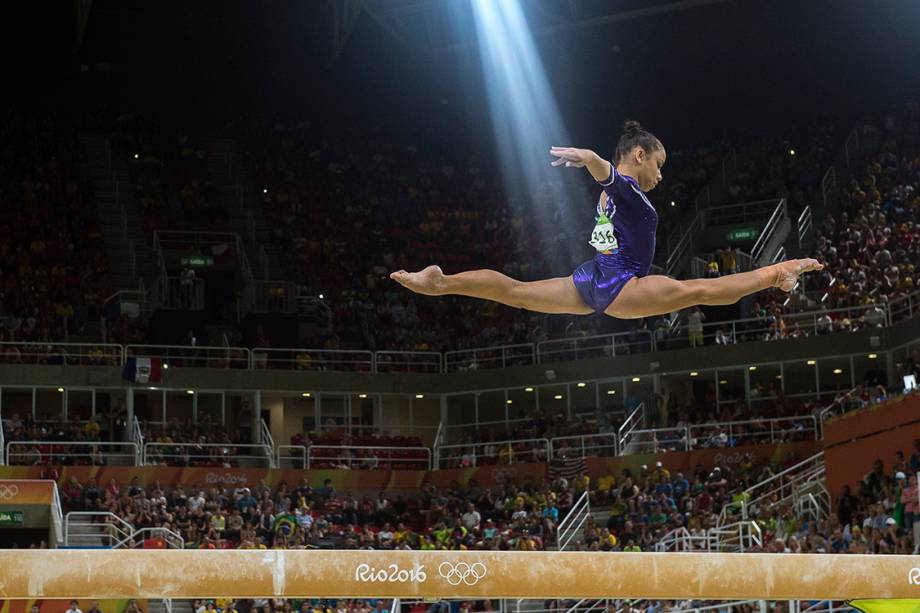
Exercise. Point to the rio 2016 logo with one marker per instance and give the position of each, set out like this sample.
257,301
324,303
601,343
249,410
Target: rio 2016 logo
913,576
390,574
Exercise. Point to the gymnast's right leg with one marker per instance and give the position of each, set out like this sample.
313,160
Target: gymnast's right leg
555,296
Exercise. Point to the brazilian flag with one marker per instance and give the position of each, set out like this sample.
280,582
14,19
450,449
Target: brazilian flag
285,524
886,606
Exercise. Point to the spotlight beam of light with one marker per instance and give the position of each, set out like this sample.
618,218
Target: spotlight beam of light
526,121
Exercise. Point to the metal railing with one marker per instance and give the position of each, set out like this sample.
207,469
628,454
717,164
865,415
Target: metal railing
2,441
95,529
57,514
408,361
904,307
207,454
494,452
736,537
601,346
760,245
633,421
368,457
83,453
570,527
291,456
181,293
502,356
61,354
681,539
267,442
683,246
173,540
781,486
328,360
193,356
585,445
753,431
654,440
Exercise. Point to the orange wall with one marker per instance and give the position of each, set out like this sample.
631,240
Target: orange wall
855,440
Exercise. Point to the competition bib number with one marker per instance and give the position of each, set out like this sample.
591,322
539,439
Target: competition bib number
602,237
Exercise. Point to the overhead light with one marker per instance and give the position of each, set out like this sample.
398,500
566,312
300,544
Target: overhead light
779,376
136,156
189,391
362,395
509,401
694,374
872,356
792,152
151,388
636,379
264,190
61,389
165,366
752,368
558,396
611,392
811,362
582,384
306,394
673,203
838,371
420,395
723,382
528,389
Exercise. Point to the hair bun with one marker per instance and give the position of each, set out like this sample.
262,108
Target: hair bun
631,127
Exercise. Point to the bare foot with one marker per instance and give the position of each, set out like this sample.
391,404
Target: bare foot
785,275
428,281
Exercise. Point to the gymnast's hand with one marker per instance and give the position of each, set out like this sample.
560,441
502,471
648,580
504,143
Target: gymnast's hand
571,157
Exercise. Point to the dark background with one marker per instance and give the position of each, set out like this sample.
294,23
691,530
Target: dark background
723,70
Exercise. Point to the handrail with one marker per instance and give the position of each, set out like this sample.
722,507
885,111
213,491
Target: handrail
111,525
200,356
634,420
656,441
62,354
460,360
301,455
438,435
408,361
583,438
568,528
57,512
137,436
2,440
376,450
540,446
92,448
683,245
600,345
155,456
772,223
825,413
173,539
722,426
267,442
303,358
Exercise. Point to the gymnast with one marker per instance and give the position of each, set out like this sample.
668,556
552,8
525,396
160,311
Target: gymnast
616,281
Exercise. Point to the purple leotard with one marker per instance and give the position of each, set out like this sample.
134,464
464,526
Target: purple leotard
635,220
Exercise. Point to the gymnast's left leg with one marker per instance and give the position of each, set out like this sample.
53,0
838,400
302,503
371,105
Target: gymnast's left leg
658,295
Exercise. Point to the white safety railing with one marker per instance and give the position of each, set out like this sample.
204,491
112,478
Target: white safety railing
267,442
369,457
753,431
633,421
328,360
501,356
86,453
494,452
773,223
291,456
681,539
181,293
828,185
207,454
137,437
601,346
2,441
408,361
904,307
172,540
95,529
570,527
57,514
736,537
804,224
654,440
848,401
192,356
61,354
584,445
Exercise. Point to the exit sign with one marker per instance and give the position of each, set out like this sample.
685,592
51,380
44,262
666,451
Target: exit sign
11,518
197,261
742,234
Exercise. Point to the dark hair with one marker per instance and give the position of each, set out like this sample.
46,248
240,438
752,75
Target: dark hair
634,136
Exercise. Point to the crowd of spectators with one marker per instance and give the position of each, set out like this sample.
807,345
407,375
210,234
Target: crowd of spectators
54,269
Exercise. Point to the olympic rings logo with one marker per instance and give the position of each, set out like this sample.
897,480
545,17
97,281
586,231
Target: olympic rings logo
8,491
913,576
461,572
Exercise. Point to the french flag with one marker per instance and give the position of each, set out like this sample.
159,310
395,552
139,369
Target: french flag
143,370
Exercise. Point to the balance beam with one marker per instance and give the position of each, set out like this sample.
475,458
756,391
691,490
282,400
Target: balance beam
117,574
